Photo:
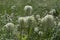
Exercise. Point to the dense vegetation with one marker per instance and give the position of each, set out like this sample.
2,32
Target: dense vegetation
40,20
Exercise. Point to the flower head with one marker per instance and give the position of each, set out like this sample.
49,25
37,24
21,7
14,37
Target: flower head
59,24
48,20
9,26
23,19
13,7
52,11
27,7
40,33
38,17
36,29
32,17
28,10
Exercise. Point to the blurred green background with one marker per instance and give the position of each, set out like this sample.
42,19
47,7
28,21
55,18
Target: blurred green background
39,6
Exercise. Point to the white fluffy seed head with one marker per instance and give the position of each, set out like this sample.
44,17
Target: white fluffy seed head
52,11
59,24
26,19
32,17
28,10
38,17
47,18
13,7
36,29
20,19
47,21
27,7
40,33
9,26
23,19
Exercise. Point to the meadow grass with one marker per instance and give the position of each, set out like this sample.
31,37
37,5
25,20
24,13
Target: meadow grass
29,20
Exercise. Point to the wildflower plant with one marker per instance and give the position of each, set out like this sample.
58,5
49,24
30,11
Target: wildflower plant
29,20
28,10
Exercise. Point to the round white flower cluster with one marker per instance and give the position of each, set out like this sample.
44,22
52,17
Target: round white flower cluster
26,18
38,17
59,24
27,7
47,18
28,10
9,26
52,11
13,7
36,29
40,33
47,21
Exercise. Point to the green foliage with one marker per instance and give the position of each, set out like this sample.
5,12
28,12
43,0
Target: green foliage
11,10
